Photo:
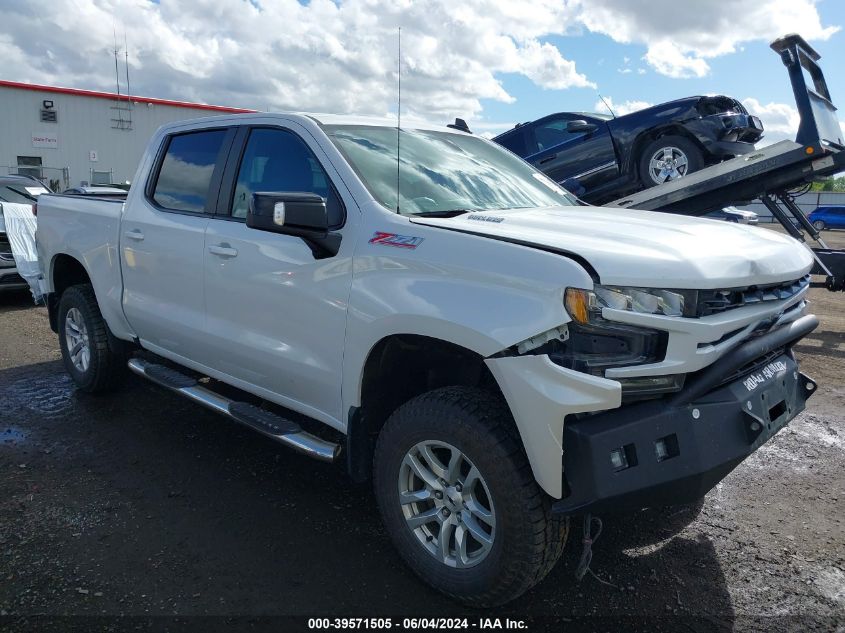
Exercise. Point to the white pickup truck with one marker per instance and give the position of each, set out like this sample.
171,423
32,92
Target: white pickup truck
439,317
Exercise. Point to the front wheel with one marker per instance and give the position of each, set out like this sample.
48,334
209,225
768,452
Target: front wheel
819,225
669,158
458,499
95,360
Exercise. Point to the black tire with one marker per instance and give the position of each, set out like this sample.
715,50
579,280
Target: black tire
819,225
693,153
528,539
106,368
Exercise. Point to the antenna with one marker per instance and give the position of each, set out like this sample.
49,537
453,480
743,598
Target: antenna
116,50
126,58
398,113
605,105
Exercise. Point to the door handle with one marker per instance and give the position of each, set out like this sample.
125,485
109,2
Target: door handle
547,159
134,234
223,250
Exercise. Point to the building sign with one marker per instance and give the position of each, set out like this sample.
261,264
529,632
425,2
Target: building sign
45,139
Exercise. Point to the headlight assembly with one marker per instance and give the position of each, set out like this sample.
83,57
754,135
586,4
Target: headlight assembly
596,344
585,306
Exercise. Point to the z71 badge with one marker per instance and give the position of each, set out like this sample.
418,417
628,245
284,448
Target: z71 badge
394,239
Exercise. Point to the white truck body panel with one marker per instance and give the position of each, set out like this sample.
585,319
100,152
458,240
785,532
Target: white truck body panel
637,248
296,330
88,231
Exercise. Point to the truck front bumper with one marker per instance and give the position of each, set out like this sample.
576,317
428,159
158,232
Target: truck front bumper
672,451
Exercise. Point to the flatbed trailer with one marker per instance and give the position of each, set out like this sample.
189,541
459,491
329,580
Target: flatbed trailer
772,174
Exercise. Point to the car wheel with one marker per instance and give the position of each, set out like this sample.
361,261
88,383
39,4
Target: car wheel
819,225
669,158
458,498
94,359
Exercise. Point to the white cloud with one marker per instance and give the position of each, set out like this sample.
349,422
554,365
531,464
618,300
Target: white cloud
279,54
546,67
680,37
626,107
342,56
667,58
780,120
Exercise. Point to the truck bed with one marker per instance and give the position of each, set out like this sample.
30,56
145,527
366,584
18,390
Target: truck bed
87,228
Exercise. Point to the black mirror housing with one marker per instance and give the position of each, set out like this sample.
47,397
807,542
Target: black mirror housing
289,212
574,186
580,125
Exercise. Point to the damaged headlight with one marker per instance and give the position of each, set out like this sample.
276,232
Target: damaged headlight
596,344
584,306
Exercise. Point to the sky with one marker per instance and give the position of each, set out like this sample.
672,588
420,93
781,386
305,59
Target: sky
490,62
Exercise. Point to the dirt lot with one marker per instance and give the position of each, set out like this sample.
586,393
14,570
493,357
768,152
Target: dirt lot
141,504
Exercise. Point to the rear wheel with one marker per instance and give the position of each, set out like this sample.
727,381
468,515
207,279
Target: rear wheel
95,360
669,158
819,225
458,498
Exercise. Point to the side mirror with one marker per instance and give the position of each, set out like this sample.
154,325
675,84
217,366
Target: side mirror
291,213
580,125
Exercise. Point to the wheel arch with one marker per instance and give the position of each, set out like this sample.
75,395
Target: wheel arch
65,271
647,136
399,367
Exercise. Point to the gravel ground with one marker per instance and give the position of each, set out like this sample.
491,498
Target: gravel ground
142,504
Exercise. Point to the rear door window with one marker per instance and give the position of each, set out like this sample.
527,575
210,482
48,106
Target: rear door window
185,176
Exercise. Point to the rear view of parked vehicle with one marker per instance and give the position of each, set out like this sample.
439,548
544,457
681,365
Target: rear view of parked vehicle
15,190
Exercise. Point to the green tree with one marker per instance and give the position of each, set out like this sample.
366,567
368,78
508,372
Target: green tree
829,184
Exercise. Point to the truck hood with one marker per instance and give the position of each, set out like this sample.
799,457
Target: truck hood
645,248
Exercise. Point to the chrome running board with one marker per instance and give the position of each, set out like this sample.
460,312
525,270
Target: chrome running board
268,424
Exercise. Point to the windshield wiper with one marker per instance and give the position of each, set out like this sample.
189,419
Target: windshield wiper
449,213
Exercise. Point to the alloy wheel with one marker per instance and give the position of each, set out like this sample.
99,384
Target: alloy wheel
447,504
76,338
667,163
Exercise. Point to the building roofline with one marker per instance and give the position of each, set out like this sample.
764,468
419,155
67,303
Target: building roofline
112,96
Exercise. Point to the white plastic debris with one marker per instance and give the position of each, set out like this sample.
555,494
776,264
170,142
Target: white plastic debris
20,229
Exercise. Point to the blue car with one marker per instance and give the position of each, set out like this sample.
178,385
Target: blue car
830,217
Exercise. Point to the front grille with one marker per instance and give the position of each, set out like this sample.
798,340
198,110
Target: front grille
753,366
717,301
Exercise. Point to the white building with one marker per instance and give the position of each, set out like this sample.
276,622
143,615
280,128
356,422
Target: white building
67,137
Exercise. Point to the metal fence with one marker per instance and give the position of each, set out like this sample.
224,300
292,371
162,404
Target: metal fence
102,176
807,202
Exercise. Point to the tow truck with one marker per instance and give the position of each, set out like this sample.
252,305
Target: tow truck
775,174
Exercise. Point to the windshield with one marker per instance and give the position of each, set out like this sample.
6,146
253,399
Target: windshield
441,172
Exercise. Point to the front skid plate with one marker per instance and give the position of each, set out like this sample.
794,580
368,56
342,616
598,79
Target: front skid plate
674,455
